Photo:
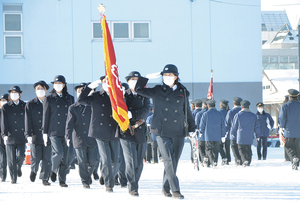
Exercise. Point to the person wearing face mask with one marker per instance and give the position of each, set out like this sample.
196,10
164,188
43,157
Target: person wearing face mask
104,129
34,135
55,111
134,143
12,126
170,103
3,159
266,124
77,129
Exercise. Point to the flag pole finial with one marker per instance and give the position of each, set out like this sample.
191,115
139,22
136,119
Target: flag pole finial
211,70
101,8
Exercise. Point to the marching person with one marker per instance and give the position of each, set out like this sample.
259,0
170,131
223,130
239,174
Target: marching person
134,143
243,127
289,116
266,123
12,127
228,121
225,144
198,107
55,111
77,128
33,132
104,129
3,159
169,101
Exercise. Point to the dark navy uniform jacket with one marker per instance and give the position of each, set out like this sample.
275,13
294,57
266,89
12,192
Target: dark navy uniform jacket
55,111
289,118
169,116
1,139
263,122
12,122
212,125
195,112
77,127
139,107
198,117
224,113
34,120
243,127
229,118
102,125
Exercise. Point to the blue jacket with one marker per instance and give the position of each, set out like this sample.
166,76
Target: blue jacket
243,127
224,113
195,112
265,119
212,125
198,117
229,118
289,118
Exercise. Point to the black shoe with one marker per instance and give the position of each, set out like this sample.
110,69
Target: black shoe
109,189
13,182
101,180
259,159
177,195
63,184
53,176
167,193
19,173
264,158
72,167
96,176
116,182
134,193
86,186
32,176
46,183
123,185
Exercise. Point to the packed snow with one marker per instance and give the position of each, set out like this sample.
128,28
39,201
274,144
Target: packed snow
272,179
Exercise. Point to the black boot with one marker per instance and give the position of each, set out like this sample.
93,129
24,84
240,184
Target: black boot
32,176
53,176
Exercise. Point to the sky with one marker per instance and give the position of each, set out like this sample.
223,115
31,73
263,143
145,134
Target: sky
292,8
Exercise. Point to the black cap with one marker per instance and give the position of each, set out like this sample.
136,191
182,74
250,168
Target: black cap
197,102
125,85
59,78
15,88
133,74
211,103
4,96
260,104
42,83
224,101
80,85
102,77
170,69
204,100
293,93
237,100
245,104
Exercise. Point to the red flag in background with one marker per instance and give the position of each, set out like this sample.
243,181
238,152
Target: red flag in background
210,94
119,108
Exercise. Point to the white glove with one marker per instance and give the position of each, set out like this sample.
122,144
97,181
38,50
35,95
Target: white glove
94,84
191,134
68,143
29,139
123,90
129,114
45,138
223,139
5,139
280,131
200,135
153,75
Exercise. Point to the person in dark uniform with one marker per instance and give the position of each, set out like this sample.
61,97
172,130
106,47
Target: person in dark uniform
213,128
225,144
12,127
55,111
228,121
243,127
198,107
289,118
33,132
3,159
77,128
134,143
169,103
104,129
266,123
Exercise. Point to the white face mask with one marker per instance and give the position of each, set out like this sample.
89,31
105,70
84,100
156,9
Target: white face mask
58,87
40,93
260,109
132,84
169,80
3,103
105,87
14,96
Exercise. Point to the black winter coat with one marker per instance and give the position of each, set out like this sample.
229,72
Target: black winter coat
55,112
102,125
12,122
169,105
139,107
77,127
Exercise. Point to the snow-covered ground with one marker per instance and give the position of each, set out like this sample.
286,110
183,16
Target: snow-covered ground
272,180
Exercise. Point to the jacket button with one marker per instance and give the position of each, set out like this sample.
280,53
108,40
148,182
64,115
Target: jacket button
66,106
175,121
39,112
176,111
58,114
22,129
167,99
110,116
180,90
83,124
15,114
15,121
165,119
109,125
16,129
40,121
40,129
130,108
21,113
178,101
84,132
66,114
166,109
102,114
82,115
140,127
58,122
101,124
103,105
58,106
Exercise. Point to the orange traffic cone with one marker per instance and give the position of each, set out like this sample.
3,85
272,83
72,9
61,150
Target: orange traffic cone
27,153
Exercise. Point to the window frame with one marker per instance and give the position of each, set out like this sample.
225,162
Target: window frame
149,31
113,31
12,13
15,35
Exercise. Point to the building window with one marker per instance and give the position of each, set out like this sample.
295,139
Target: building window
141,30
293,59
265,59
284,59
273,59
120,30
97,30
13,45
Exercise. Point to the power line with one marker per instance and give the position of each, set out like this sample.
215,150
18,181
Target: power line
222,2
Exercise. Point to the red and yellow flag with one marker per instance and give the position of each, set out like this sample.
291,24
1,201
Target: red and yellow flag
119,108
210,94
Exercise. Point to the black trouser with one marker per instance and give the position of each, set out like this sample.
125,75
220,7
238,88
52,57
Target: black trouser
235,150
201,148
41,153
148,155
211,150
292,146
3,162
122,168
245,153
264,142
154,151
15,157
227,150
